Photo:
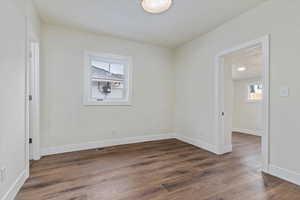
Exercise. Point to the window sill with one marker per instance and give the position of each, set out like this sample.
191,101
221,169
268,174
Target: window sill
253,101
107,103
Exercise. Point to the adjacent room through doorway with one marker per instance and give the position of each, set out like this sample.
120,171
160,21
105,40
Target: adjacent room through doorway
243,101
243,92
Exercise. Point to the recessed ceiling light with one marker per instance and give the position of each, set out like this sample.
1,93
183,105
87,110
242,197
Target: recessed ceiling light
156,6
241,69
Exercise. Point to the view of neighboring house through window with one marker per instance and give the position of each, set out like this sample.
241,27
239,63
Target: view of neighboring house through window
108,79
255,92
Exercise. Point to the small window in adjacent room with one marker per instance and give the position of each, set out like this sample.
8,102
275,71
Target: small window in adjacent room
255,92
107,79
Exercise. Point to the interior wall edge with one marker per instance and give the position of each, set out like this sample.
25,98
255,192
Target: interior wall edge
199,143
285,174
16,186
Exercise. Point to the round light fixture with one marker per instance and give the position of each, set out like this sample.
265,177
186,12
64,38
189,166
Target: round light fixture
241,69
156,6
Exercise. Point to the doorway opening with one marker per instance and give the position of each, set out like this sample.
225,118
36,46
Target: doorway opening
242,99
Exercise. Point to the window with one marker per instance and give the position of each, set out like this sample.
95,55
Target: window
255,92
107,80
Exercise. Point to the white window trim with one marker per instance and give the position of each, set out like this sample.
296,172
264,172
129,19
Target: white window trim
247,92
86,97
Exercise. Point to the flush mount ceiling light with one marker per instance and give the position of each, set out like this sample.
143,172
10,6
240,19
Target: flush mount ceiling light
241,69
156,6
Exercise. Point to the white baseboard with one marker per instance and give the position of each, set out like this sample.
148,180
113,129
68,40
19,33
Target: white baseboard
198,143
284,174
131,140
247,131
225,149
16,186
104,143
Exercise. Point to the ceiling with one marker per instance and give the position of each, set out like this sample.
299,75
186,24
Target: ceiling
251,58
186,20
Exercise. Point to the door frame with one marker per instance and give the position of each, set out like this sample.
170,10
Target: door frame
219,108
33,100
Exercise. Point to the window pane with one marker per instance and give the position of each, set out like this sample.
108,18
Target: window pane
109,71
108,79
255,92
99,69
100,65
117,71
104,90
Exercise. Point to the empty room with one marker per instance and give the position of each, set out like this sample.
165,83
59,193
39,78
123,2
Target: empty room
149,100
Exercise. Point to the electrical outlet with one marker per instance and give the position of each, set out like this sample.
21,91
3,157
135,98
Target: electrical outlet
113,132
2,174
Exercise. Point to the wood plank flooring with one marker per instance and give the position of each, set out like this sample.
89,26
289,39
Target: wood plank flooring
160,170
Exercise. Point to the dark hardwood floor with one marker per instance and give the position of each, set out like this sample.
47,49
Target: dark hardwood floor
161,170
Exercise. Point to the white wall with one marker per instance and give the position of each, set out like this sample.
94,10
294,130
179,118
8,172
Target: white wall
195,77
64,118
33,20
247,116
12,87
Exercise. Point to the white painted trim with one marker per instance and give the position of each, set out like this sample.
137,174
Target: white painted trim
32,112
104,143
26,100
35,103
224,149
131,140
248,131
284,174
16,186
110,57
220,135
266,103
198,143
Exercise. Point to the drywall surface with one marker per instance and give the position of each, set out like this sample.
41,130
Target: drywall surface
13,15
195,77
247,115
12,83
64,118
